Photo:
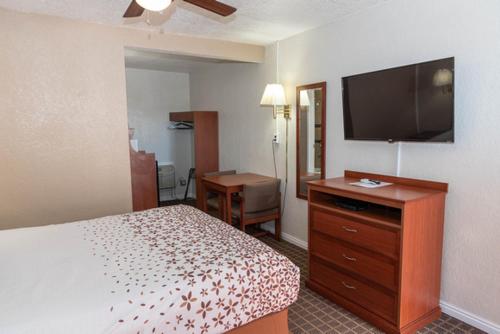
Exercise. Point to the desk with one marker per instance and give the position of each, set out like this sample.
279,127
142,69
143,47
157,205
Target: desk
228,185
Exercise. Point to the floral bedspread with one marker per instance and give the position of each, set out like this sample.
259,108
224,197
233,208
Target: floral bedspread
177,269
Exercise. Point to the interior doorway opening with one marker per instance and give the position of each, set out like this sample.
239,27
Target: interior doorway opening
162,130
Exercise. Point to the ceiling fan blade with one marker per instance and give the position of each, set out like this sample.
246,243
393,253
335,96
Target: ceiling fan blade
134,10
213,6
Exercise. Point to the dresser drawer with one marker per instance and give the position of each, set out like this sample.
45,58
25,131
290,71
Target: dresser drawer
374,269
380,240
362,294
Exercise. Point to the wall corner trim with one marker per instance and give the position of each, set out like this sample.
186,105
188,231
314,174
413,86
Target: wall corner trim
469,318
294,241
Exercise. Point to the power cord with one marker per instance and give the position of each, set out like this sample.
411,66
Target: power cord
274,160
286,171
284,199
276,175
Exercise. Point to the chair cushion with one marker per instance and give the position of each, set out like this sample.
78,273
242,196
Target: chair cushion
251,215
213,202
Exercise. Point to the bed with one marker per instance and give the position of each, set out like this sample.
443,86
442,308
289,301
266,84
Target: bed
167,270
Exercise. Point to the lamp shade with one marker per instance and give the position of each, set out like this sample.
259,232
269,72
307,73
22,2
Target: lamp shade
304,99
154,5
274,95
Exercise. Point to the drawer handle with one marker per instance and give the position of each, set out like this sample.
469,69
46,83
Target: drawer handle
348,286
349,258
352,230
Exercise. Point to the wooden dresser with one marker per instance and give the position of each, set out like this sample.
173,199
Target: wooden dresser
382,263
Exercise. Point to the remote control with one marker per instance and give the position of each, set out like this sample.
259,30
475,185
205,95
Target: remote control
369,181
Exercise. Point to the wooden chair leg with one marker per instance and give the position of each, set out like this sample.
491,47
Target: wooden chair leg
242,215
222,207
277,228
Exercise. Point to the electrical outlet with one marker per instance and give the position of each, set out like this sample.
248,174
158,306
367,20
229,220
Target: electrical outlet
276,138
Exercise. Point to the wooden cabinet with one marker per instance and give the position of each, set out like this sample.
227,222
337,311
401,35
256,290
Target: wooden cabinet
206,144
144,180
383,262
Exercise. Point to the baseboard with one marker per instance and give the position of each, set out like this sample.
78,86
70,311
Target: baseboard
294,241
287,237
469,318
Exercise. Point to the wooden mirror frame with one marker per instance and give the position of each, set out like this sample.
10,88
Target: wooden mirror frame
322,86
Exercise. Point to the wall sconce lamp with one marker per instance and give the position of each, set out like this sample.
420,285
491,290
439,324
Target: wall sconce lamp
274,96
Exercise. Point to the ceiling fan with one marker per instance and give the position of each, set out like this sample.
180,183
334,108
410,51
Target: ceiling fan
137,7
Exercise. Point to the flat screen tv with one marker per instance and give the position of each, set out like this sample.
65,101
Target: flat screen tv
408,103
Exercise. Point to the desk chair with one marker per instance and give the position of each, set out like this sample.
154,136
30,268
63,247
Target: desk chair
260,202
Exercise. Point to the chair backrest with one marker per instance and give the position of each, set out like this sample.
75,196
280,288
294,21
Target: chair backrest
262,196
224,172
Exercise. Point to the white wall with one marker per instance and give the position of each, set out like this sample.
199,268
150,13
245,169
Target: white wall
151,96
245,129
397,33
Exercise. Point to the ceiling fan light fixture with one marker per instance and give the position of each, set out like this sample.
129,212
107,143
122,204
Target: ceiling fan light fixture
154,5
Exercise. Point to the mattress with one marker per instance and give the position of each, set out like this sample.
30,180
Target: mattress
168,270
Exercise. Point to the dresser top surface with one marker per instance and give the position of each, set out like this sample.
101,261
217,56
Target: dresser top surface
394,192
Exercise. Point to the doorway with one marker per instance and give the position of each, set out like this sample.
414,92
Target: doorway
158,84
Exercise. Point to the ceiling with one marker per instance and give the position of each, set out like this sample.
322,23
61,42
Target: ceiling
256,21
160,61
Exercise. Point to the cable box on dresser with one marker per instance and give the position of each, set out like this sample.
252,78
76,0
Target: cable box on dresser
382,262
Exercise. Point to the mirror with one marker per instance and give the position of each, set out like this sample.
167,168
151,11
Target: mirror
311,117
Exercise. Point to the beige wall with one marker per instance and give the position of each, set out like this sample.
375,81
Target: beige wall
245,129
63,115
397,33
